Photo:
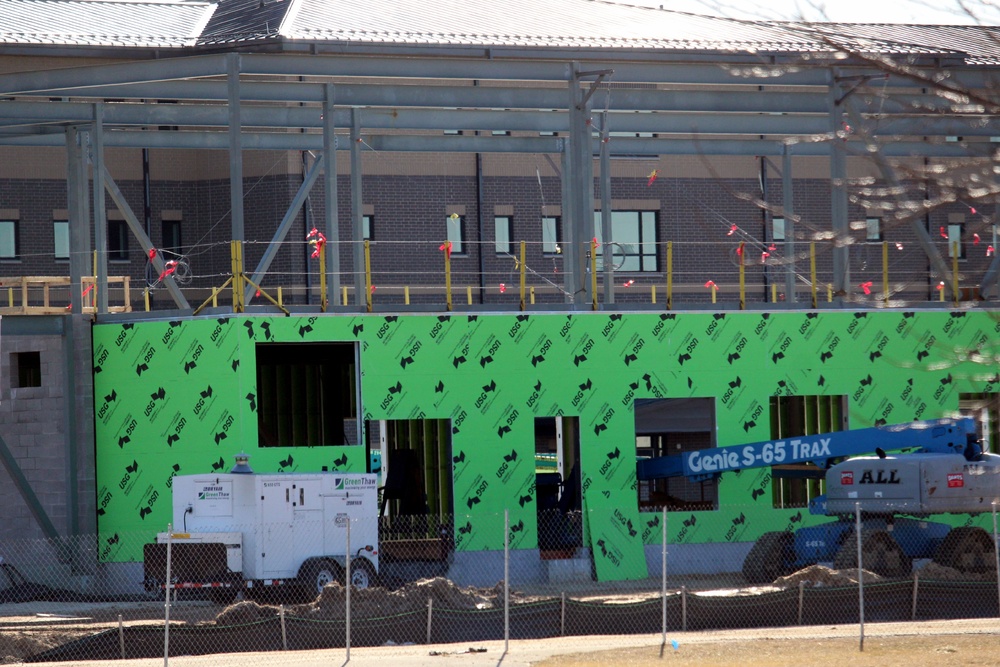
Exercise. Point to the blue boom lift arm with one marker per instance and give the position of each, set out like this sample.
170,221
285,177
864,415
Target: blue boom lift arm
949,436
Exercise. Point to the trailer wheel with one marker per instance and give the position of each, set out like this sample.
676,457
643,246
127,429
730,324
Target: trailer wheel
772,556
319,573
880,554
362,573
966,549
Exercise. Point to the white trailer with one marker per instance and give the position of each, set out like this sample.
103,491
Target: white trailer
274,529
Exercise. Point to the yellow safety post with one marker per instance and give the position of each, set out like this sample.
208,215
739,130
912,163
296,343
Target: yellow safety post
532,296
954,272
10,297
715,289
520,265
93,292
447,274
343,295
145,298
774,292
743,279
281,300
368,275
322,280
215,297
406,294
652,293
235,254
812,271
885,272
829,292
941,291
670,275
468,294
593,273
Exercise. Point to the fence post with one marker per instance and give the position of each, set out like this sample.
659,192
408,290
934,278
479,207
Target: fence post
430,611
562,616
996,552
663,577
861,585
284,633
802,599
121,636
506,580
916,588
347,580
684,608
166,604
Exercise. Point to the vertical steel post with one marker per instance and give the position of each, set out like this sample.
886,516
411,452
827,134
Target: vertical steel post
166,604
789,214
885,273
520,265
743,279
861,584
235,145
347,598
670,275
323,301
447,274
366,247
506,580
996,549
812,272
100,213
607,233
332,210
357,211
663,576
593,272
838,189
954,273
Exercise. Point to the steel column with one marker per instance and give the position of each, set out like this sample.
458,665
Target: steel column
100,213
838,193
332,210
235,146
77,200
357,211
789,216
606,228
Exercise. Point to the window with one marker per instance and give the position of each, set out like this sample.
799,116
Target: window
60,234
501,133
634,240
794,485
456,233
171,230
9,240
550,235
305,394
873,229
777,229
117,240
955,239
674,427
367,221
504,226
26,369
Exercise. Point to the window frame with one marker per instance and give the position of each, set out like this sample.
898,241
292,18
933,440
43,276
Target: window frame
647,250
120,252
455,222
55,240
878,236
956,229
507,223
16,229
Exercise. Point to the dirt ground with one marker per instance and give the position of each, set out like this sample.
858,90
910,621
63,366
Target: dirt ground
30,628
909,651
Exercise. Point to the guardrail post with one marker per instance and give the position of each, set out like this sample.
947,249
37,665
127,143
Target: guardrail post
446,246
743,279
322,280
954,273
593,272
885,272
520,265
368,275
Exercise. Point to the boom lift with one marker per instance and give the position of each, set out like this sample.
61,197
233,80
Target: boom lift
940,468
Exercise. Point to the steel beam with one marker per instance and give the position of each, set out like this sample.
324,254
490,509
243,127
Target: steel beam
79,223
661,122
788,213
282,231
140,234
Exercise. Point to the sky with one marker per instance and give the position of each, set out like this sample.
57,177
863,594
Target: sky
945,12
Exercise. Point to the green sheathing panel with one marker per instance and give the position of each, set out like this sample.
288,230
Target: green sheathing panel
179,397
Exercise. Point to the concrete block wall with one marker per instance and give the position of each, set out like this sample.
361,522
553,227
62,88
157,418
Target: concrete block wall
35,423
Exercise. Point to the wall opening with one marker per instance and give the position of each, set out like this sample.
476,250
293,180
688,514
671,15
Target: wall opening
672,427
984,407
306,394
26,369
794,485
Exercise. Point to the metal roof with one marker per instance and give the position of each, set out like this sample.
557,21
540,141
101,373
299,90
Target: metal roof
599,25
119,23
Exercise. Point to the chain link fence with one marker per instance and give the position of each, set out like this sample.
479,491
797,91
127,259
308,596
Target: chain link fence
478,577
